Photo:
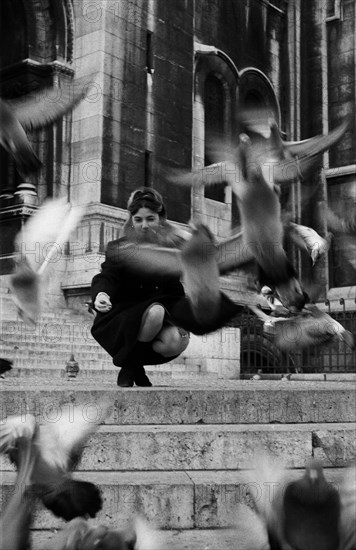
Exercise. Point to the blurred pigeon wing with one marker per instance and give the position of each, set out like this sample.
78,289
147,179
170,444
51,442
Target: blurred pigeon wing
44,107
16,520
61,442
70,537
155,261
40,229
200,274
70,223
267,479
13,138
147,538
13,428
25,290
46,231
220,172
233,254
146,259
307,155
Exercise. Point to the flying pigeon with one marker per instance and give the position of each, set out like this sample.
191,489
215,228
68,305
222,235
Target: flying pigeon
79,535
34,111
311,509
40,241
308,239
201,274
301,514
153,260
260,212
310,327
58,447
15,521
284,162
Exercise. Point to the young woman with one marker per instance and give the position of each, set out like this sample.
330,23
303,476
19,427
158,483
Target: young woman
141,319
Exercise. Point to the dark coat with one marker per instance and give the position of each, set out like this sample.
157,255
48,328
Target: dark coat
117,330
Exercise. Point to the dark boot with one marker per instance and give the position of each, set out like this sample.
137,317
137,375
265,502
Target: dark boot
125,378
141,378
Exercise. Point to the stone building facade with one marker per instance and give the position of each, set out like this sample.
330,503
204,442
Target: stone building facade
164,76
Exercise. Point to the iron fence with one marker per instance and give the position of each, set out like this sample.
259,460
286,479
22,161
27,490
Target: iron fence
259,354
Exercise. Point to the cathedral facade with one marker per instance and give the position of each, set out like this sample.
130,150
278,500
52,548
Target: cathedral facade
164,77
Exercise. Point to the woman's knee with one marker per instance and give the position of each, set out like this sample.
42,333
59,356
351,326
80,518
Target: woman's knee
172,341
152,322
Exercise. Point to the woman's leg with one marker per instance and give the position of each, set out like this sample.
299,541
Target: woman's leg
151,324
171,341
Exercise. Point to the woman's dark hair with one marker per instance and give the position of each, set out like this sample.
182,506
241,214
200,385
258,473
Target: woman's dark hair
146,197
165,234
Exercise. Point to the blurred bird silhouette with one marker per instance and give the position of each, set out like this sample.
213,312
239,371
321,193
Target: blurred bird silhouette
255,169
283,162
201,274
311,511
16,519
310,327
300,514
40,241
79,535
58,447
260,213
153,260
34,111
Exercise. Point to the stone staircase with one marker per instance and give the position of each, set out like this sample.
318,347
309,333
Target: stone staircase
44,349
177,452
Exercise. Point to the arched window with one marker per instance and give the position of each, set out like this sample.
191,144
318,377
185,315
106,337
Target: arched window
214,107
214,114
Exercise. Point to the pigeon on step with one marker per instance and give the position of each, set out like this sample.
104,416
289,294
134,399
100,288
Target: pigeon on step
34,111
58,447
40,242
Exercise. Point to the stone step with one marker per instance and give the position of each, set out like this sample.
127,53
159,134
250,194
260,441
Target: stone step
211,446
245,537
36,370
172,500
174,402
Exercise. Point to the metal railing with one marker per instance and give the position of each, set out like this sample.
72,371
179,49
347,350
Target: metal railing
259,353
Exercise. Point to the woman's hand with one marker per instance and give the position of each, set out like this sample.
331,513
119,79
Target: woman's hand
102,302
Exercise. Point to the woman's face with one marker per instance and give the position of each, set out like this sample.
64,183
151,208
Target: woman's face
144,220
